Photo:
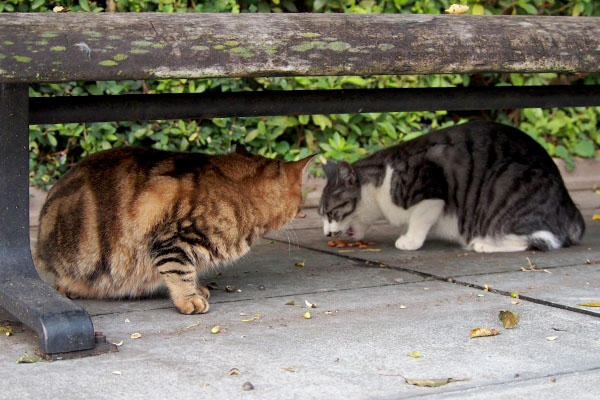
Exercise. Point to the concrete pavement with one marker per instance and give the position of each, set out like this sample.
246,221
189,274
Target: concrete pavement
381,316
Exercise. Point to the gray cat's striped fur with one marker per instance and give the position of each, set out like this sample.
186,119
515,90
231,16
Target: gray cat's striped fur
487,186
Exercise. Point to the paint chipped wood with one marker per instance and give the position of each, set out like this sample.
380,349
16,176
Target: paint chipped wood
49,47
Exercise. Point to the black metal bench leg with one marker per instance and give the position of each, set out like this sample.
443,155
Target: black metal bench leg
61,325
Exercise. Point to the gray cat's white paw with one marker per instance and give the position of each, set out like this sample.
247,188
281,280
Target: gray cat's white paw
405,242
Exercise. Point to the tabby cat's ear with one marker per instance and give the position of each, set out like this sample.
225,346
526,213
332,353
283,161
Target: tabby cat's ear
241,150
296,168
346,175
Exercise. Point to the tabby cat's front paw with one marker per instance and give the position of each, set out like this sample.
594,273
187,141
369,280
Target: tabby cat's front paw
195,304
203,291
405,242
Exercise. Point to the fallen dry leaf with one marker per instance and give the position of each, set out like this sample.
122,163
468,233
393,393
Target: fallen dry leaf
307,315
509,319
7,329
290,303
28,359
299,264
215,329
415,354
431,382
457,9
288,369
136,335
590,304
482,332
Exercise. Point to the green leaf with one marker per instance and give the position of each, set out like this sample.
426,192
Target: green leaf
303,119
322,121
37,4
527,7
517,79
585,148
251,135
85,6
477,9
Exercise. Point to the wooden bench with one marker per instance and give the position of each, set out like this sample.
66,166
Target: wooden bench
87,47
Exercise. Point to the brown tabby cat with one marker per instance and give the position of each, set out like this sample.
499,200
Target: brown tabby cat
126,222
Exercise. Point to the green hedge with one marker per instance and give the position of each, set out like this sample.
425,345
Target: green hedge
564,132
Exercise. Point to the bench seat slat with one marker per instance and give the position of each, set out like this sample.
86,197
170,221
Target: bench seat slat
46,47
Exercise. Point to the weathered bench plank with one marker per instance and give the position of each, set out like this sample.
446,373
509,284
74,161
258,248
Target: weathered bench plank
77,46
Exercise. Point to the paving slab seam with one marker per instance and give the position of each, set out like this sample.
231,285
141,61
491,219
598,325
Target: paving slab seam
371,264
530,299
556,267
499,384
265,297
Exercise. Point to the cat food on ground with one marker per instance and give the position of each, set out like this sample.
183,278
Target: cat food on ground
361,244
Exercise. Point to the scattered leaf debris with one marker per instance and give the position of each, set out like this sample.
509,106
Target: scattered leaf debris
119,344
532,267
590,304
509,319
265,243
6,329
127,320
515,303
290,303
234,372
482,332
299,264
193,325
29,359
415,354
431,382
247,386
486,288
514,295
216,329
457,9
136,335
253,318
309,304
288,369
551,338
307,315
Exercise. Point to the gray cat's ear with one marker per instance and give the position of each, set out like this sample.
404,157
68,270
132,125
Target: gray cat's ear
330,170
346,175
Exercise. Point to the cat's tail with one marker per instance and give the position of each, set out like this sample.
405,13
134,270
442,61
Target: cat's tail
576,227
569,232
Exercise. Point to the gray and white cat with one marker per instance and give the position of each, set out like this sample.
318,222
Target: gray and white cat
487,186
